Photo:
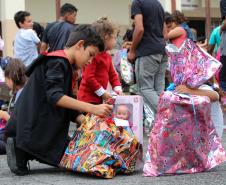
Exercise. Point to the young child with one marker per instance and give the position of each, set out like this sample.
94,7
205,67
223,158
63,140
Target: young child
122,112
26,42
46,105
216,111
15,79
95,76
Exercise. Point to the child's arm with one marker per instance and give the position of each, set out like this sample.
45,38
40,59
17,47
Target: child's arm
71,103
175,33
4,115
93,84
114,79
213,95
55,90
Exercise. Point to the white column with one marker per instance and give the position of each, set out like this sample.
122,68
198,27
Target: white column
178,5
9,29
166,4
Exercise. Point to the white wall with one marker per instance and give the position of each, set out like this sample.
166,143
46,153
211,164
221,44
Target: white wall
8,8
213,3
41,10
89,10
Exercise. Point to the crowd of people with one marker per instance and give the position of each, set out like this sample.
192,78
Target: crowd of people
61,73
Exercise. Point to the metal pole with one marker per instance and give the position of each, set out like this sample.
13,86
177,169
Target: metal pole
208,18
58,3
173,5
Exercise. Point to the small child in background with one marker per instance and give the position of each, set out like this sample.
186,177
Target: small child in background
97,75
216,111
122,112
15,79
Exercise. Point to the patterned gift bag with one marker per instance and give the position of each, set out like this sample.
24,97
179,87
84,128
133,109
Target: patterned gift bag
101,149
190,65
123,66
183,139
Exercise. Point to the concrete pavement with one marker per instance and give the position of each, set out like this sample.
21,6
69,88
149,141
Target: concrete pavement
47,175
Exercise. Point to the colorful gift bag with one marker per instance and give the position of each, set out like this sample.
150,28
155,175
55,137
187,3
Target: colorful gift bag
190,65
100,148
124,67
183,139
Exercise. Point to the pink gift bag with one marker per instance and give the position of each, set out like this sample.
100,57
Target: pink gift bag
190,65
183,139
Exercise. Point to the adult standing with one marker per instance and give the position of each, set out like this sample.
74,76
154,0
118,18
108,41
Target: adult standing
56,33
148,48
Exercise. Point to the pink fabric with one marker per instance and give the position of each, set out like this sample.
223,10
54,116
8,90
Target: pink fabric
190,65
183,139
179,40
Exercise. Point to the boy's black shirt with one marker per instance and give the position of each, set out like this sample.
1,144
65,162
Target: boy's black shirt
41,126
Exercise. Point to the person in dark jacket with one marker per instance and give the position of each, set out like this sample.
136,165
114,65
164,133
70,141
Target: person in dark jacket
38,127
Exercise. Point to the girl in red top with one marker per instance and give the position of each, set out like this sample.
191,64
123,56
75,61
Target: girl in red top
95,76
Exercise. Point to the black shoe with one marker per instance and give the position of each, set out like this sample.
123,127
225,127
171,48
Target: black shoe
16,158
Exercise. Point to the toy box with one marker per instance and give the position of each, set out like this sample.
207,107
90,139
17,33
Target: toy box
135,108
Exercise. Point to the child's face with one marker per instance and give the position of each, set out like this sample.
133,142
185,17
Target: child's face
27,24
85,55
71,17
169,27
9,83
110,41
122,113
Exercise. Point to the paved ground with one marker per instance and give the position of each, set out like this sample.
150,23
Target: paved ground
46,175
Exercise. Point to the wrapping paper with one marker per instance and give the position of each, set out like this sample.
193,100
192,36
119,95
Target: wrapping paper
124,67
101,149
190,65
183,139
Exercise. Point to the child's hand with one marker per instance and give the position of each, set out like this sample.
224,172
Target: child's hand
106,96
183,89
4,115
103,110
119,93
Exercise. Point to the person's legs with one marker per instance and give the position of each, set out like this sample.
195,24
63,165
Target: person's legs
159,83
17,159
2,144
146,69
223,73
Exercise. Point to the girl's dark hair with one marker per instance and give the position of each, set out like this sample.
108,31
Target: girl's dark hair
168,18
15,70
179,17
19,17
88,34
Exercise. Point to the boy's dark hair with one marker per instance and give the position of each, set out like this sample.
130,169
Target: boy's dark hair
86,33
39,29
15,70
168,18
67,8
19,17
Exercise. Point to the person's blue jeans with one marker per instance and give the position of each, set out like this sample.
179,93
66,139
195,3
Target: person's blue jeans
223,85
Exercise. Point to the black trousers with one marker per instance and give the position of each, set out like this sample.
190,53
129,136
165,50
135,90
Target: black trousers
2,143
